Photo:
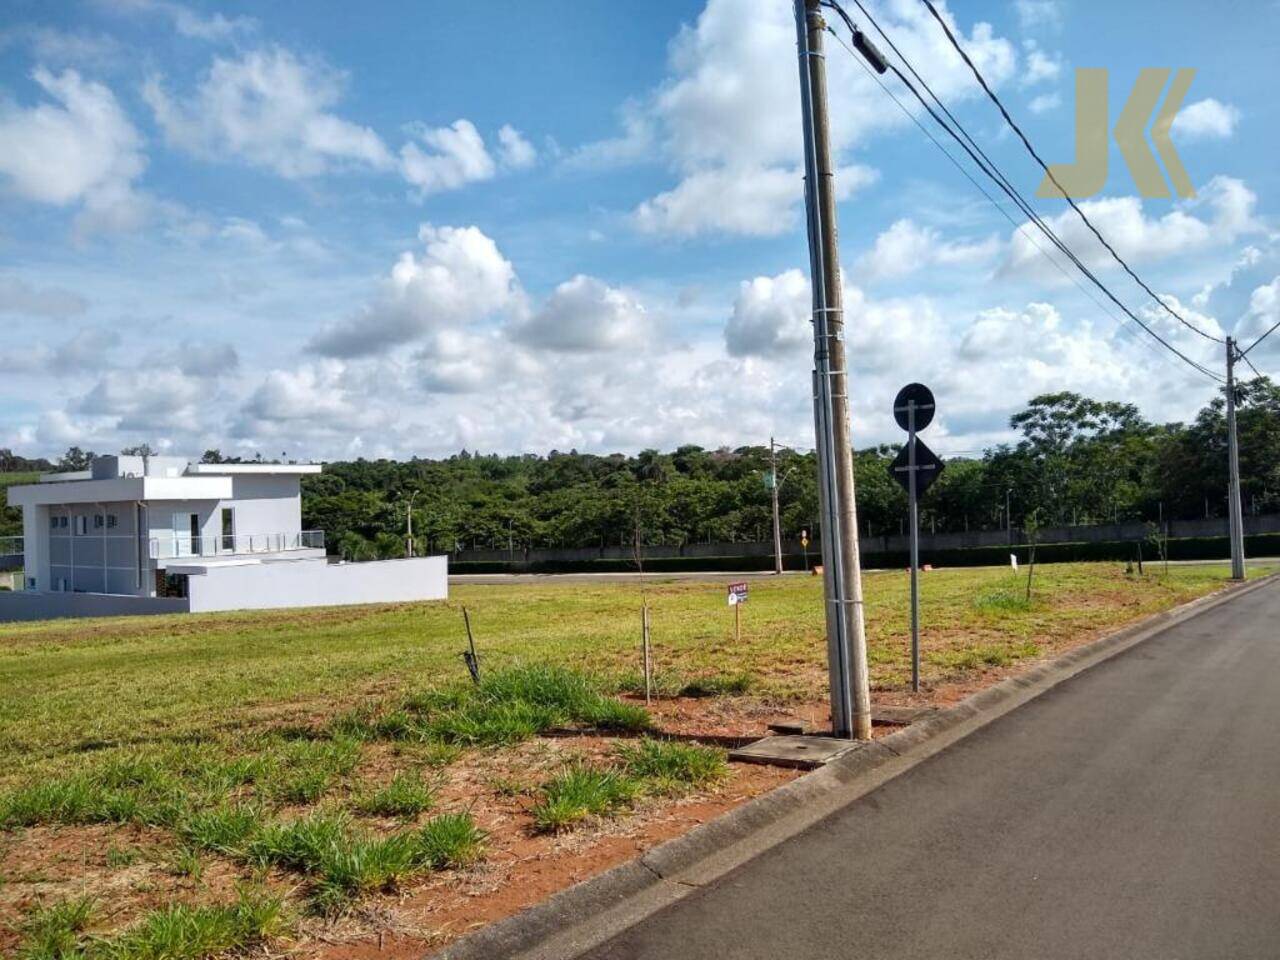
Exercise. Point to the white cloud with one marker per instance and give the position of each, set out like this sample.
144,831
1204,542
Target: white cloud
728,108
1038,14
269,109
907,247
517,152
1044,103
187,22
1205,120
18,296
457,156
460,278
754,201
771,316
585,315
1040,66
1137,237
78,147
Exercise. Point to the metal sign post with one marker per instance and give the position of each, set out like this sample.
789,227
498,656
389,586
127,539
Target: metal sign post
915,467
737,597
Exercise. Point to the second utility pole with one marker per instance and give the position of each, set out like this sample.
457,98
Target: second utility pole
842,574
1234,513
777,522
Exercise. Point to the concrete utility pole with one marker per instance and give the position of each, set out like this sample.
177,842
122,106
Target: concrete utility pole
777,522
842,574
1236,519
408,522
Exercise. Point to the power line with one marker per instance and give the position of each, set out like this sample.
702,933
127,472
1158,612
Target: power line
1019,227
1030,149
1273,329
1017,198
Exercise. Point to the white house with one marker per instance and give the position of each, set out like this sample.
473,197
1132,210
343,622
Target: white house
160,534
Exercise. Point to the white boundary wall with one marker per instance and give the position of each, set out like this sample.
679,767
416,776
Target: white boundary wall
317,583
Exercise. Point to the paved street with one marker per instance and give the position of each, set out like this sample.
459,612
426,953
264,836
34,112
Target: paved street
1132,812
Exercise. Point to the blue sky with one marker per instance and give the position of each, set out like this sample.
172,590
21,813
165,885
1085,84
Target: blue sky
404,228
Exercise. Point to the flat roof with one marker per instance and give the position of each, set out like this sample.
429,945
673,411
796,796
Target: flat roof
233,469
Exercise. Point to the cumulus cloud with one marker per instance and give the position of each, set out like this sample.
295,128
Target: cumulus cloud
187,22
1138,237
1207,119
726,112
517,152
18,296
77,147
1044,102
584,315
270,109
771,316
455,155
144,401
1038,14
460,277
752,201
907,247
1040,66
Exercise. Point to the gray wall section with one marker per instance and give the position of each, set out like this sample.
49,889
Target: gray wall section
104,559
314,583
878,545
51,606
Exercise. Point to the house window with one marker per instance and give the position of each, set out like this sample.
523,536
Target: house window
111,521
228,529
62,522
98,521
53,523
82,526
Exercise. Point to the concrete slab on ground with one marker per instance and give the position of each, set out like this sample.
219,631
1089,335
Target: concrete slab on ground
798,752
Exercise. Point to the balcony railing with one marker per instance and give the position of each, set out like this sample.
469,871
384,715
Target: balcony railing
228,545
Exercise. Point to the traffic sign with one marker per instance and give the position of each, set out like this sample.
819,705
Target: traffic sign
923,398
928,466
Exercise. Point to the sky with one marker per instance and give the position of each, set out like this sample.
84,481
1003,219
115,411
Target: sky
333,230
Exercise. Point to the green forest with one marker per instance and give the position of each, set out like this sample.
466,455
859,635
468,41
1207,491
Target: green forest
1077,460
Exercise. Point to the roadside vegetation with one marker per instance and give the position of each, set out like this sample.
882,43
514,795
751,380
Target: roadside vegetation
183,787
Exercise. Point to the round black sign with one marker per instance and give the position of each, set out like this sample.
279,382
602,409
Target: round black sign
922,397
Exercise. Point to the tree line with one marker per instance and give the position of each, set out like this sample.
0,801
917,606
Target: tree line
1076,461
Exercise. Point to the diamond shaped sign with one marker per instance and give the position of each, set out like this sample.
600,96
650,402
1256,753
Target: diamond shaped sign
928,467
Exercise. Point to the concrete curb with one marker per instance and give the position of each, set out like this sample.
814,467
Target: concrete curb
586,915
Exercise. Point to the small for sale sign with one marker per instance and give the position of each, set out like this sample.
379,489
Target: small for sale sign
737,593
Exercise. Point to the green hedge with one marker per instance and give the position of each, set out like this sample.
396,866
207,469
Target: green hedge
1185,548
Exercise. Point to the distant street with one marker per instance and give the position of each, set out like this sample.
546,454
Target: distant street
1132,812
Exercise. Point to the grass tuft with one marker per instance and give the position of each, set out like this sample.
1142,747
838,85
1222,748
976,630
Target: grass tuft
450,840
672,767
718,685
405,796
182,932
56,932
580,792
224,829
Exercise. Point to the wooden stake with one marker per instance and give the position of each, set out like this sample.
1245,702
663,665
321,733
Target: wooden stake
648,653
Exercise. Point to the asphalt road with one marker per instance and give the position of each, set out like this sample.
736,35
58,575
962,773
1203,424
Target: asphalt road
1132,812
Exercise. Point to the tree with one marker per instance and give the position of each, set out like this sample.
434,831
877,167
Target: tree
76,459
140,450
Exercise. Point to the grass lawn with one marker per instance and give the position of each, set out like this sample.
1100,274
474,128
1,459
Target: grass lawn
272,769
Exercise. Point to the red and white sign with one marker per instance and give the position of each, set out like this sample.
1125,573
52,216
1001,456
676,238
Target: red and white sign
737,593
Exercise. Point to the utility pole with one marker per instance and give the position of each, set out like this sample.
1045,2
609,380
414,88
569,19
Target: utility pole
842,574
1235,518
777,522
408,522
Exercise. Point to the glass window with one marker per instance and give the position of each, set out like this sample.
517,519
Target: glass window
53,523
82,526
98,521
111,521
